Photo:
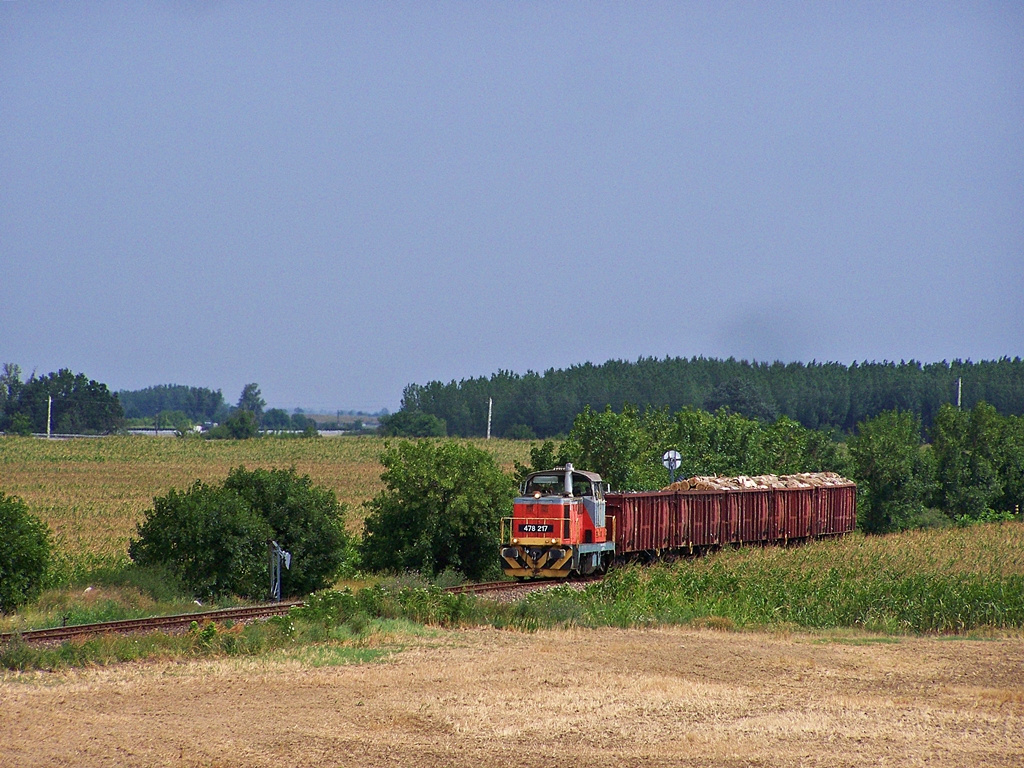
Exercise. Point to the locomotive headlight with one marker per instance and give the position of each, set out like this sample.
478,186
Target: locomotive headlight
515,541
554,541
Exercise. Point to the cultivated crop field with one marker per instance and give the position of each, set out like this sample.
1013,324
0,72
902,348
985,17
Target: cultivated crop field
92,492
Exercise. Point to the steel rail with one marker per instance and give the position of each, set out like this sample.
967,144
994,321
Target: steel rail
127,626
487,586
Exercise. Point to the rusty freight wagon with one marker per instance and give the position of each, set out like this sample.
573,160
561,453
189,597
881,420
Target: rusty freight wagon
566,522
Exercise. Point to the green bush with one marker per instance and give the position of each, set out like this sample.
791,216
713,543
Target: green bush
892,471
441,509
306,521
412,424
209,537
213,538
24,553
241,425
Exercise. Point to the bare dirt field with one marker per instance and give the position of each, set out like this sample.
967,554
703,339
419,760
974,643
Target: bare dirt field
588,698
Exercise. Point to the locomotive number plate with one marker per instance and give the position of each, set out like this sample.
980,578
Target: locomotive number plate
536,528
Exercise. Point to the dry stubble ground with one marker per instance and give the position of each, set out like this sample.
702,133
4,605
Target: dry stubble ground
595,698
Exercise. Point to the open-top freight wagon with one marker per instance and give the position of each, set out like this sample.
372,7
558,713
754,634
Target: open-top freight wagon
566,521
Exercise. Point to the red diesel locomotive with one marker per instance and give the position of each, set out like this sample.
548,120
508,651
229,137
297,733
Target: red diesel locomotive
557,526
566,522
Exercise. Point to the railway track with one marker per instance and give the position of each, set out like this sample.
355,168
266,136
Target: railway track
151,624
482,588
504,591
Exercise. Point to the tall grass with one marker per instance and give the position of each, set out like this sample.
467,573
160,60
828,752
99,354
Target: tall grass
945,581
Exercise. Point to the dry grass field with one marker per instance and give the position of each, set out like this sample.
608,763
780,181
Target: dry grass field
93,491
662,697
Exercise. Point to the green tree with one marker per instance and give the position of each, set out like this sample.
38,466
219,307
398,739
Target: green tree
740,396
240,425
252,401
441,509
622,447
177,420
277,418
541,457
306,520
20,424
214,537
1011,468
24,553
198,403
626,448
520,432
789,447
209,538
79,404
303,423
968,457
825,396
893,472
412,424
10,387
727,443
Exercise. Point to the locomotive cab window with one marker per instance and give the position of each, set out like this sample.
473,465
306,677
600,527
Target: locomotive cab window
581,486
545,485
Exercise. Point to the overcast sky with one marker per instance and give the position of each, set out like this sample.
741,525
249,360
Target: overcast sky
335,200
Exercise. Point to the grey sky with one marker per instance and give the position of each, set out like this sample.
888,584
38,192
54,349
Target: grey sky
337,199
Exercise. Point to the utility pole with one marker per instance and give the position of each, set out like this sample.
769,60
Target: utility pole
490,404
49,411
959,390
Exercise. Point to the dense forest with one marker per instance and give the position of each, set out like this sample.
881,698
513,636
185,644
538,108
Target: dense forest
821,396
197,403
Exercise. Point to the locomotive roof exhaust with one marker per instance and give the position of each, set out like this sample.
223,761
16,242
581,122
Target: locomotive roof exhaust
568,479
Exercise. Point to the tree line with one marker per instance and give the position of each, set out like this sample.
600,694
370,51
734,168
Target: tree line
78,405
820,396
61,402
